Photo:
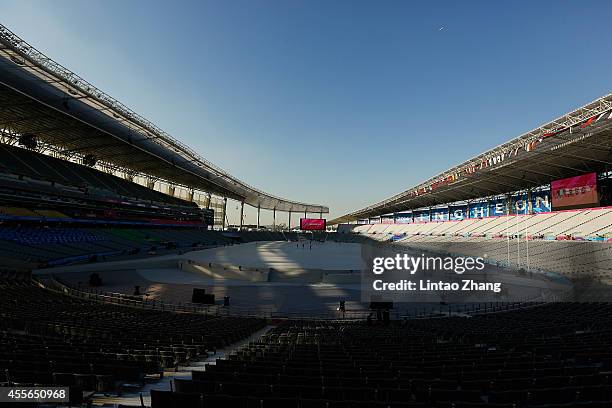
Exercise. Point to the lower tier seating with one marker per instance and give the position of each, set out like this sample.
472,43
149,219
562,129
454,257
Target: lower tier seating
593,223
551,356
53,245
49,338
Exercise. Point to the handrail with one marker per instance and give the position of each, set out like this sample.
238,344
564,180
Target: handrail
427,312
130,301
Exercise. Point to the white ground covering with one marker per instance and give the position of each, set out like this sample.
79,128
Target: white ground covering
284,255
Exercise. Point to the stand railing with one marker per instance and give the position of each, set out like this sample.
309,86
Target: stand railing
400,313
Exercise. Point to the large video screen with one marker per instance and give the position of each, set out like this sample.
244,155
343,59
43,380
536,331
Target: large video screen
574,192
312,224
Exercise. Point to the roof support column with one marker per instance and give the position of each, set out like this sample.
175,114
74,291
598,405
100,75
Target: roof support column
289,220
208,201
258,211
508,204
321,215
241,214
224,212
529,203
274,219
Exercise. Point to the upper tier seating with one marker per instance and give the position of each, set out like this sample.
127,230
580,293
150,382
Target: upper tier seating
38,166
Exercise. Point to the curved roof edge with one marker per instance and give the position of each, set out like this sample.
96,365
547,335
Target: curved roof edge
526,141
172,147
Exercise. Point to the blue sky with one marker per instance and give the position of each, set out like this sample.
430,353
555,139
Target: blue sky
337,102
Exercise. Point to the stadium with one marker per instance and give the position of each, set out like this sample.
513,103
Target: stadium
123,283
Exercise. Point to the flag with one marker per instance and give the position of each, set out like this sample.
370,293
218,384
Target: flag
588,122
552,133
529,146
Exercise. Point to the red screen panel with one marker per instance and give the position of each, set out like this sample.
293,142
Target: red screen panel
312,224
579,191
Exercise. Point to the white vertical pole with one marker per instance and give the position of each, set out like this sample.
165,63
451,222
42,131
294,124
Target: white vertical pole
508,230
241,214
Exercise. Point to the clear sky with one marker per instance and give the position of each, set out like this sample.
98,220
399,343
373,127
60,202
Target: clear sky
340,102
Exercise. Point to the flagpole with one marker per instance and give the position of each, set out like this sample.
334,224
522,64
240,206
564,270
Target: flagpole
508,237
518,241
527,243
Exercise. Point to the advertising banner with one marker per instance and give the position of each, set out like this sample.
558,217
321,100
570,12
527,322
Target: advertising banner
520,204
421,216
312,224
572,192
479,210
439,214
403,218
387,219
497,207
458,213
540,201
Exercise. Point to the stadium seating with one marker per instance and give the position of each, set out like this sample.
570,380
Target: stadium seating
47,246
550,356
589,223
570,258
41,236
37,166
51,214
36,188
17,211
52,245
48,338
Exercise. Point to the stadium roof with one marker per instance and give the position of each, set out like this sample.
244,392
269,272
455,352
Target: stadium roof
576,143
40,97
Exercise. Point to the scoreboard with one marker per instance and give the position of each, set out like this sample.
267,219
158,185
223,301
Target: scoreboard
312,224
